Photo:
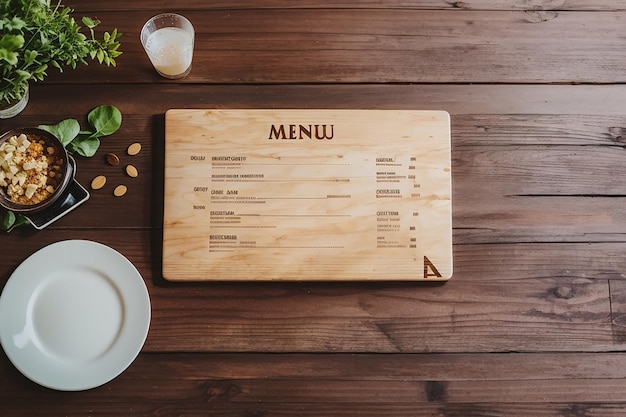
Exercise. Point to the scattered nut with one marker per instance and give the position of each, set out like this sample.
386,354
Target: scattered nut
113,159
131,171
120,190
134,148
98,182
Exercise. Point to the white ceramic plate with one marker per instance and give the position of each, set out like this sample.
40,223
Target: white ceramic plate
74,315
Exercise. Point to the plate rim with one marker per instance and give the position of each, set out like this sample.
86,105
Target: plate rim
134,329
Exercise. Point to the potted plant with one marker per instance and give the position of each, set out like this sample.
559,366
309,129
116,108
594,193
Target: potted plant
37,35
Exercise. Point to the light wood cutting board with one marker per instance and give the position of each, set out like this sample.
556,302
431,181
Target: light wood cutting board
323,195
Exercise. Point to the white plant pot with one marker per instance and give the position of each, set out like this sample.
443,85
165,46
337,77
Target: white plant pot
13,109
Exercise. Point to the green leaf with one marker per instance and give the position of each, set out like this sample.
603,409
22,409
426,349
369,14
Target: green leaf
84,146
21,76
40,72
7,220
66,130
89,22
8,45
106,120
29,57
8,56
11,42
14,24
19,221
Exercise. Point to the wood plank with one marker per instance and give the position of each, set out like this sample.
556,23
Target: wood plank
581,5
478,218
216,408
546,315
514,130
379,46
617,288
541,171
510,101
564,262
372,367
451,385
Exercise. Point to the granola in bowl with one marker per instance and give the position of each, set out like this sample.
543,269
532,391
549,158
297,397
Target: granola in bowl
33,169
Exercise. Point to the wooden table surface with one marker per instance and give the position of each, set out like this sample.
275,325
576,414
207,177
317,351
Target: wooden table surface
533,322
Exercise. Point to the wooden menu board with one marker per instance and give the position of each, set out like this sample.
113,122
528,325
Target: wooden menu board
307,195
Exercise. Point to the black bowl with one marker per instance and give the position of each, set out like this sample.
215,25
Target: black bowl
66,172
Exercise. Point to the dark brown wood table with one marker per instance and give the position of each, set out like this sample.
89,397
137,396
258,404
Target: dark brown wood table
533,322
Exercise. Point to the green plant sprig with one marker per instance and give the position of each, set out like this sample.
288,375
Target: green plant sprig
36,36
103,121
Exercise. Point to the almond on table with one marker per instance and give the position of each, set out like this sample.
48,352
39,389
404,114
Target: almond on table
131,171
113,159
120,190
98,182
134,149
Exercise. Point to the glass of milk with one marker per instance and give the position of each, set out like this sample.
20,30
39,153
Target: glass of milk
168,40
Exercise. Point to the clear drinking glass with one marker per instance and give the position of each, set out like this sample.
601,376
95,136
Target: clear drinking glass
168,41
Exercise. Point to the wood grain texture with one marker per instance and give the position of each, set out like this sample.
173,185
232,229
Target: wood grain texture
551,156
532,323
379,46
310,385
562,304
534,5
307,195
